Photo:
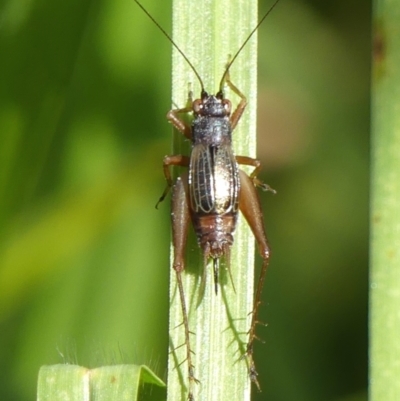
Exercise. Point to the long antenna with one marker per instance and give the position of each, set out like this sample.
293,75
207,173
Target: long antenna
188,61
174,44
244,44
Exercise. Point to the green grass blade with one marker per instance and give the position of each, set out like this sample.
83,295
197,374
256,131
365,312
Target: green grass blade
62,383
208,32
385,213
72,382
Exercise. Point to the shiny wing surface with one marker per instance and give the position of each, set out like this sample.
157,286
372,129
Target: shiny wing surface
213,179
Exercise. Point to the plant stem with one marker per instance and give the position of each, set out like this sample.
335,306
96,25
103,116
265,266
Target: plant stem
385,213
208,32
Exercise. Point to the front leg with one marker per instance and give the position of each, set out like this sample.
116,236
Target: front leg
177,122
237,114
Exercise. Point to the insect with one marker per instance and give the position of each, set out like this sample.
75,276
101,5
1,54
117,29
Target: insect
213,190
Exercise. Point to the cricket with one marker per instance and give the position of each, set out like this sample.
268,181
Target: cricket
213,191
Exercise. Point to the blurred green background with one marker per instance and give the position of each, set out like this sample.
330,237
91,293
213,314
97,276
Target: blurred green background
84,89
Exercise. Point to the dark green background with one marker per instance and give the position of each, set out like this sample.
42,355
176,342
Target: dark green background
84,89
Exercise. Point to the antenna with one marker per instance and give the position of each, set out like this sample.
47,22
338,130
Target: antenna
173,44
244,44
188,61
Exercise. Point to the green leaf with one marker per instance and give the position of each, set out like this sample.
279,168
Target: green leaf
72,382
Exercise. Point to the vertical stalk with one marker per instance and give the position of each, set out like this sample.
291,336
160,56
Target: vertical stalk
208,32
385,213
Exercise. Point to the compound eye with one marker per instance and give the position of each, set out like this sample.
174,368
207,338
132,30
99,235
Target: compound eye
197,106
227,106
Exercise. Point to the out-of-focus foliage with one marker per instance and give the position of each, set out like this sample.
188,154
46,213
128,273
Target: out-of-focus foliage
83,252
84,88
314,142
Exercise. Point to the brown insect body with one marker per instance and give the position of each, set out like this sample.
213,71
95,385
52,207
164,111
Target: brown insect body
213,178
210,194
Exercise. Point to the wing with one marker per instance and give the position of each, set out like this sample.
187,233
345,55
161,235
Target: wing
213,180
